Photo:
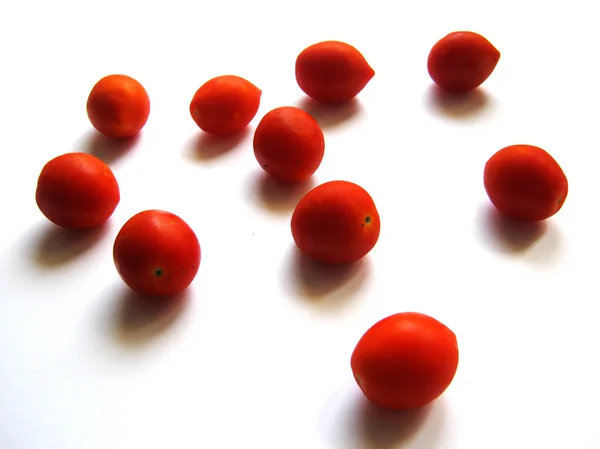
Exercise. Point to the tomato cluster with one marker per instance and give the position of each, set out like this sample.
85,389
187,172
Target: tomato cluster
404,361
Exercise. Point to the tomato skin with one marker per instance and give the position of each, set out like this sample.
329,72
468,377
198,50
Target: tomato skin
405,361
77,191
462,61
336,223
525,183
289,144
118,106
332,71
156,253
225,105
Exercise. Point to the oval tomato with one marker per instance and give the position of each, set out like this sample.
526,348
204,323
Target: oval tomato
336,222
118,106
405,361
332,71
157,253
289,144
77,191
525,183
462,61
225,105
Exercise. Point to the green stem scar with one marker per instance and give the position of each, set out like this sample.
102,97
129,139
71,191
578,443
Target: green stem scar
367,219
158,272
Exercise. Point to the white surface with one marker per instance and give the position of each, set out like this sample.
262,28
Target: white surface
254,357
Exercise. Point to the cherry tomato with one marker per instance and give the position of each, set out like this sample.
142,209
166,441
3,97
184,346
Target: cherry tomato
225,105
462,61
118,106
336,223
405,361
525,183
157,253
77,191
289,144
332,71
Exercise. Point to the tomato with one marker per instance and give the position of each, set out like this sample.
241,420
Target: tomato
225,105
157,253
336,223
118,106
289,144
462,61
332,71
405,361
525,183
77,191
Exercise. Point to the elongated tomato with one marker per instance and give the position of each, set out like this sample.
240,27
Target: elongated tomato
289,144
225,105
156,253
332,71
77,191
336,222
525,183
462,61
405,361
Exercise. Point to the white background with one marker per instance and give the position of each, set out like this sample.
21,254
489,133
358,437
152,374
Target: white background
256,354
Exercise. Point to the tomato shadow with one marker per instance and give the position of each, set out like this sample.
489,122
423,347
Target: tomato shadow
331,115
457,106
378,428
140,318
107,149
205,146
509,235
277,196
58,246
323,285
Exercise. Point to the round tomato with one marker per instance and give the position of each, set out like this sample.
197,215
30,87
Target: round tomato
405,361
462,61
157,253
289,144
225,105
525,183
118,106
336,222
77,191
332,71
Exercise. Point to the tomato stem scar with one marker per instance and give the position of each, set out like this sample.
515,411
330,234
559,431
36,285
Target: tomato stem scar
158,272
368,219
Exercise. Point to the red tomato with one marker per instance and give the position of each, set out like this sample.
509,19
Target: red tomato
405,361
157,253
336,222
525,183
118,106
289,144
225,105
332,71
77,191
462,61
